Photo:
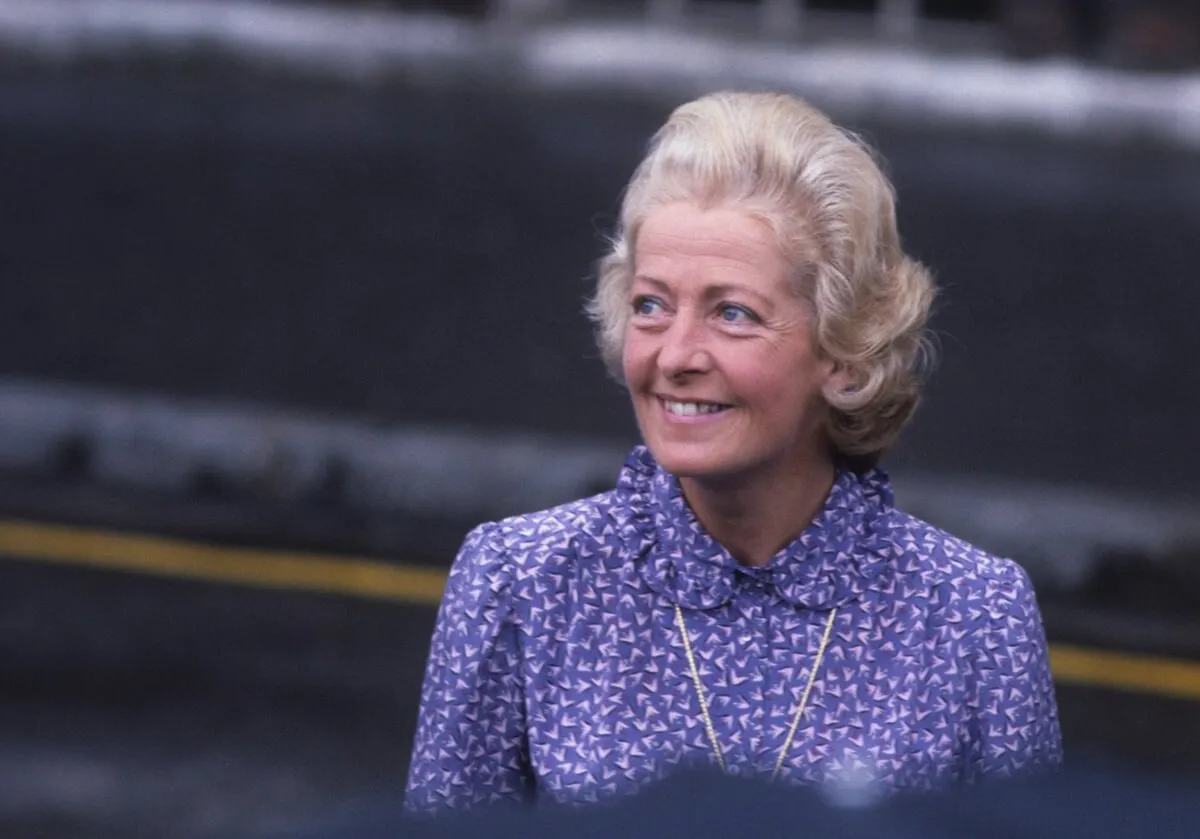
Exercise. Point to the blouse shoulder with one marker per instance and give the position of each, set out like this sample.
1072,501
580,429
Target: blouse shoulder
523,547
947,560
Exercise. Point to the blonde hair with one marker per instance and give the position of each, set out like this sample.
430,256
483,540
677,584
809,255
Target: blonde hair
833,211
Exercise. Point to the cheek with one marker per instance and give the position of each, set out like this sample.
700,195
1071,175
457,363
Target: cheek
637,355
759,381
634,358
762,369
779,378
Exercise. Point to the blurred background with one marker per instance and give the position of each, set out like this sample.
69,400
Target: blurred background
292,298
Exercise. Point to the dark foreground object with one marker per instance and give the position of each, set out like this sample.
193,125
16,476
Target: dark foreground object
1085,801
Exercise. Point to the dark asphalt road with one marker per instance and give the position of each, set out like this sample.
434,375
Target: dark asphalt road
139,707
420,253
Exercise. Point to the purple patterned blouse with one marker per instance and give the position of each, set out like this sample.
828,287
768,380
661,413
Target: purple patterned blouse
557,668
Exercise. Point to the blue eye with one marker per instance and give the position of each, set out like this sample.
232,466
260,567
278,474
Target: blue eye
732,313
644,305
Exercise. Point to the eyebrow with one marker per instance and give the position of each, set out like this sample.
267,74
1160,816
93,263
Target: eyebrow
711,292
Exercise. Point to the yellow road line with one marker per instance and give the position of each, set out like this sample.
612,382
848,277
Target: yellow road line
178,558
1090,667
377,580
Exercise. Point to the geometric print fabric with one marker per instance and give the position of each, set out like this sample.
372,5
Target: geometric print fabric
557,671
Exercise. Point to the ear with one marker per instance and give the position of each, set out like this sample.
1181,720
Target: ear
839,378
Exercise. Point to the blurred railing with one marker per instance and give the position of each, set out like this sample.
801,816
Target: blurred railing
894,18
1147,34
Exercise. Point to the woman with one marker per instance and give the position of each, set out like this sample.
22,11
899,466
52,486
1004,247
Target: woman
747,596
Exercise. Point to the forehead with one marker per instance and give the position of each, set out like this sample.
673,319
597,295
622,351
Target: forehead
684,241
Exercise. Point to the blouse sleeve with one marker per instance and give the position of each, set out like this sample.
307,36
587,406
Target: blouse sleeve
1015,716
470,745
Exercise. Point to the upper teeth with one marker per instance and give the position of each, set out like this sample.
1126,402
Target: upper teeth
687,409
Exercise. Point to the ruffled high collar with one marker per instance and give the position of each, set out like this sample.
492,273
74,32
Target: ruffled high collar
832,562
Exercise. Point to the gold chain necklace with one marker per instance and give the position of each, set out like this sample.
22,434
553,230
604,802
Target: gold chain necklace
708,723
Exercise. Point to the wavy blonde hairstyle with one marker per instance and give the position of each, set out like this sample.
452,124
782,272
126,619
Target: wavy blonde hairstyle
833,211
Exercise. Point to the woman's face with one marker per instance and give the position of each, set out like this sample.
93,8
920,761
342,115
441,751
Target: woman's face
719,357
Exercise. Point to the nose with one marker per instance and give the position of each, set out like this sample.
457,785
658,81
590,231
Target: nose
684,348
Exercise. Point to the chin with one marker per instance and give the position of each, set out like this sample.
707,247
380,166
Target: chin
695,460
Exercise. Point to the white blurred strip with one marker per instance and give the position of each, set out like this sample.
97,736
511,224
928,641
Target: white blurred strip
168,444
868,77
163,444
348,39
884,80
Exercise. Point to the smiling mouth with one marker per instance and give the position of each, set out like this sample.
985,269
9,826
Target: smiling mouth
692,409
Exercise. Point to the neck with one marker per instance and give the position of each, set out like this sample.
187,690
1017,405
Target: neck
754,517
